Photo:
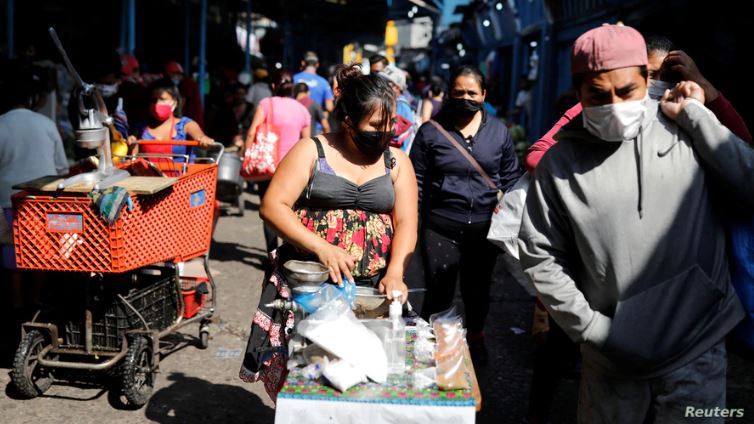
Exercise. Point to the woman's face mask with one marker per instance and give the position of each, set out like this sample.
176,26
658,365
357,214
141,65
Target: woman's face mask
466,97
372,143
107,90
616,121
372,138
162,111
464,108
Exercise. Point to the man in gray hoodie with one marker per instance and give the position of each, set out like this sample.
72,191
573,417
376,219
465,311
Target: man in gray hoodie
623,243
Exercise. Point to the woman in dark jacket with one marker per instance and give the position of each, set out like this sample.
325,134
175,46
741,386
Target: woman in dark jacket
456,201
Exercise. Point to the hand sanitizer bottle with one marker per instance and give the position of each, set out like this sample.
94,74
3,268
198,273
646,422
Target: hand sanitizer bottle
396,343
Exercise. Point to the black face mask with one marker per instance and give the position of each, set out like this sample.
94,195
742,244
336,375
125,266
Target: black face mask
372,143
464,108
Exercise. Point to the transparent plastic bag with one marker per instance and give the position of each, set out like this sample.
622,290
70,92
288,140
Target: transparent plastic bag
424,350
313,371
452,373
451,370
334,327
448,316
312,301
424,345
343,375
424,378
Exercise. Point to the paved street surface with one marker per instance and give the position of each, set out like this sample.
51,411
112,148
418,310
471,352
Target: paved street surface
201,386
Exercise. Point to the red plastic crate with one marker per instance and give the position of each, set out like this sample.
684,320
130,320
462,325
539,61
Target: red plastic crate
66,233
193,302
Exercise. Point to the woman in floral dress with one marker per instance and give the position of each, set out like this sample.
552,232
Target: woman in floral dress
344,199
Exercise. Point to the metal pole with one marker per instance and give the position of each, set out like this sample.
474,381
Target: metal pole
515,69
186,37
123,14
9,28
247,63
202,48
131,26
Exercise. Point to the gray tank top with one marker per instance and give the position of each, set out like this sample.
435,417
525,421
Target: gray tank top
327,190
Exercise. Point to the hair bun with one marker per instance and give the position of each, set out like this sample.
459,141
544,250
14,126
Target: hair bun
346,73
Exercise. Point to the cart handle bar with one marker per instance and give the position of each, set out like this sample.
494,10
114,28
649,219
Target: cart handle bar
192,143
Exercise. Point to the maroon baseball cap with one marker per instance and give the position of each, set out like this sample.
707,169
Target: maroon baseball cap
608,47
173,68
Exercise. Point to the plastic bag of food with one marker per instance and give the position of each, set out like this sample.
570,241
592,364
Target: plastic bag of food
424,350
424,378
334,327
449,358
343,375
448,316
452,373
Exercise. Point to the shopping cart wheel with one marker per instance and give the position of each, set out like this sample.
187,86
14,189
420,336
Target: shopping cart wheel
30,378
138,372
204,335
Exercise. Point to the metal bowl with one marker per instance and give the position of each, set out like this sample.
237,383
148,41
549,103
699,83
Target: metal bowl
306,289
91,138
305,273
368,299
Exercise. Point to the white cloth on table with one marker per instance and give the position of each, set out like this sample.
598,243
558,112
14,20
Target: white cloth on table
297,411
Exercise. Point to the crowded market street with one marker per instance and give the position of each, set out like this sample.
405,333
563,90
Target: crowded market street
376,212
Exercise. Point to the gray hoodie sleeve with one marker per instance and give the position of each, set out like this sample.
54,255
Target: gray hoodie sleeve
547,249
719,149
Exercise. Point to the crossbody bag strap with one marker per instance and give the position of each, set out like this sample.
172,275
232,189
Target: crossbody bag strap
465,154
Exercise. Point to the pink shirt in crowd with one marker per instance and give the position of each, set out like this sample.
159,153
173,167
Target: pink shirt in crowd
289,117
721,107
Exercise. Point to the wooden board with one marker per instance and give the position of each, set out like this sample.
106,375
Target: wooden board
146,185
136,185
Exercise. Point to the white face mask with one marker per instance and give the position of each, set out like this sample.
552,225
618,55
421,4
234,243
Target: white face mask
107,90
616,121
657,88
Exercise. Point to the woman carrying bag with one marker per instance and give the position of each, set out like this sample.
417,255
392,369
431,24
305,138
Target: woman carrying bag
279,122
463,159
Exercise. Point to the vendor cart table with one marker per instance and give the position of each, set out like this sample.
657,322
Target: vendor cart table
312,401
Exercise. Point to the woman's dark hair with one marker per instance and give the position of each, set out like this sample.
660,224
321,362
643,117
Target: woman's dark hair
284,86
165,85
468,71
577,79
21,85
659,43
300,88
361,95
378,58
435,89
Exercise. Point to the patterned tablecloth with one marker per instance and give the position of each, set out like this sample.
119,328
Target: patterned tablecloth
315,401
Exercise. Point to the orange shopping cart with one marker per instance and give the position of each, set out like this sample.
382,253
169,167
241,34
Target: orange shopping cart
125,292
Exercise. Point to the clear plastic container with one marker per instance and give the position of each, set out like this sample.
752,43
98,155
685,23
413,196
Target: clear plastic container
395,345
